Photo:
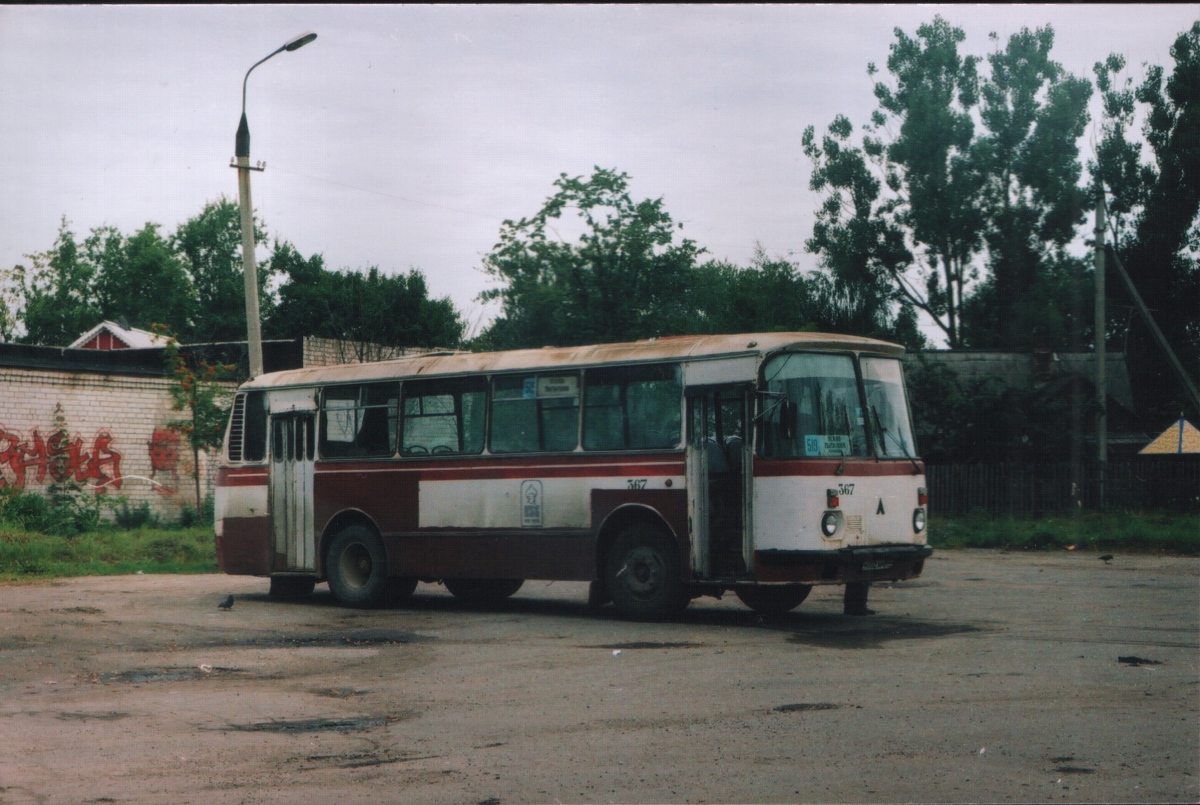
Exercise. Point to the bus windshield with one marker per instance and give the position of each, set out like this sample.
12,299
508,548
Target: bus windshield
811,407
887,408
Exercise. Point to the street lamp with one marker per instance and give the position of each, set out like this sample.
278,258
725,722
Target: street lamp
249,270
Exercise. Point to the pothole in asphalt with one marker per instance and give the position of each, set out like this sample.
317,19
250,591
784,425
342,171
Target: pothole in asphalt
313,725
804,707
646,644
111,715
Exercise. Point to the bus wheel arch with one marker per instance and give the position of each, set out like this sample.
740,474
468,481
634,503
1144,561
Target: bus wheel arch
621,520
356,566
642,569
336,525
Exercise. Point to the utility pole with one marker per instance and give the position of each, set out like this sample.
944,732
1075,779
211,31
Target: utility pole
249,268
1101,356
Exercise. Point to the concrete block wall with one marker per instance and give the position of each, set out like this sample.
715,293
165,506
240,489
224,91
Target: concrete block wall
117,439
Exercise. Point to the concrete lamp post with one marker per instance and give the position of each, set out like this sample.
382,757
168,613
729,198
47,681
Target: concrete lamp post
249,269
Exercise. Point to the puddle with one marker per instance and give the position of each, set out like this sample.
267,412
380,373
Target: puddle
140,675
804,707
1074,770
874,632
112,715
81,610
646,644
313,725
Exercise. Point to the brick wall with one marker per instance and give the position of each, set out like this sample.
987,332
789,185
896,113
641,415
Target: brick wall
117,441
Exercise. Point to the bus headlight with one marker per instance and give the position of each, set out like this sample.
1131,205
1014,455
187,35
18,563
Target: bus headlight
829,524
919,520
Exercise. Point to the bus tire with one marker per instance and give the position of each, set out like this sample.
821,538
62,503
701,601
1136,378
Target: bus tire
774,599
357,567
483,591
643,574
283,587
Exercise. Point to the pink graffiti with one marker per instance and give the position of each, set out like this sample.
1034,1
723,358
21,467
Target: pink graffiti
164,458
60,457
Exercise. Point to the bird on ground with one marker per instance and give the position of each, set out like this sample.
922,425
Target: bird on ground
227,603
1108,557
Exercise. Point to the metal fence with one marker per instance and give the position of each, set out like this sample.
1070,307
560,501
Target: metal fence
1157,482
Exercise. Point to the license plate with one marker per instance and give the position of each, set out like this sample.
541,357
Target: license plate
877,564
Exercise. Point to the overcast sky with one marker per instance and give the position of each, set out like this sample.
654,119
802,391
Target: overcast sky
404,135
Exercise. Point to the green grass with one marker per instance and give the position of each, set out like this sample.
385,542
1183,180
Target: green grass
107,551
1133,532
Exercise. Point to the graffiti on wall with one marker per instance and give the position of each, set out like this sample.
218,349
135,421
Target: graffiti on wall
59,458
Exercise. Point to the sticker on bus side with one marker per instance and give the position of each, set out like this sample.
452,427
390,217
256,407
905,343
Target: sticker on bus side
531,504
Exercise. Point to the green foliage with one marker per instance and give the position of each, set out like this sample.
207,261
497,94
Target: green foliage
25,553
140,277
54,299
64,515
1154,208
928,199
391,311
1134,532
210,244
624,278
127,516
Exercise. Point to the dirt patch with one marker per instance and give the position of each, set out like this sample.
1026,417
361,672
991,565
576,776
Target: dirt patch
140,675
805,707
645,644
314,725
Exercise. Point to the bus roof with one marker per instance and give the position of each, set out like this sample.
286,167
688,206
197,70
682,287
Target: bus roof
667,348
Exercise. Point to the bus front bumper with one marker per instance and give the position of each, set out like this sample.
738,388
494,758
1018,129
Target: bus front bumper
875,563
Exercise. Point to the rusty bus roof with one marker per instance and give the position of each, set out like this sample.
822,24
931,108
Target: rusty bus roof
667,348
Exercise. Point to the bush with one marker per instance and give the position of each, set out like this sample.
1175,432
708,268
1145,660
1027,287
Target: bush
134,517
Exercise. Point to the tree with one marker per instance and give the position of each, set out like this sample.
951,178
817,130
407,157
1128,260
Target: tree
371,308
926,202
210,245
54,299
1154,207
1033,115
140,278
204,391
624,278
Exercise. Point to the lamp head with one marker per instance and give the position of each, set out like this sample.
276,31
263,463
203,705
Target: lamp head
300,41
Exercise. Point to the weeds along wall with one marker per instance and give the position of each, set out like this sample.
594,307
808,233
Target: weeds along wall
101,434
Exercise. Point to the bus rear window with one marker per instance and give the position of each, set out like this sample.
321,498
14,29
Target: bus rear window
811,407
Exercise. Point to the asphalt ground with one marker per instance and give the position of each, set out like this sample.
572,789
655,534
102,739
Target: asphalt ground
996,677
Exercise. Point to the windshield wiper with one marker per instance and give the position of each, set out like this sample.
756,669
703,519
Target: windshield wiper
879,427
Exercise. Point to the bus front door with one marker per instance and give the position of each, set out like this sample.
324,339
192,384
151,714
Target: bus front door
293,443
718,466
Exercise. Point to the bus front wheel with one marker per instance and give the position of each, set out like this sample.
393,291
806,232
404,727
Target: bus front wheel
643,574
357,567
773,599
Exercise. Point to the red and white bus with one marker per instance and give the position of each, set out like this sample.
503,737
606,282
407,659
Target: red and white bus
659,470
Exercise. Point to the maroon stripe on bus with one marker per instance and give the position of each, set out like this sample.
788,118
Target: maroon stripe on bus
775,468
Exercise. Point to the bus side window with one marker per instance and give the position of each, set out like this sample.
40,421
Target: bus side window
535,413
359,420
632,408
443,417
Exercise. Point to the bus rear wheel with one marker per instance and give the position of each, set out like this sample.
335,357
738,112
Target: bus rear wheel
357,567
643,574
773,599
483,591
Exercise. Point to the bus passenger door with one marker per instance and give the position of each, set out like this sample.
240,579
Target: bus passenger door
717,469
293,444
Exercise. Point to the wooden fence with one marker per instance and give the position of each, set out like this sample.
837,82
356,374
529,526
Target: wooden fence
1169,482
